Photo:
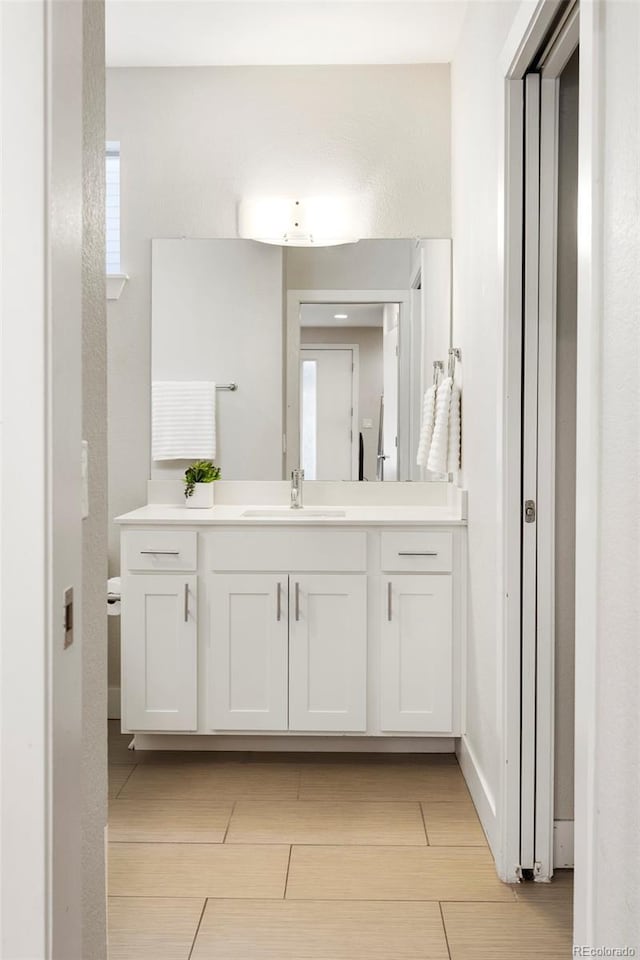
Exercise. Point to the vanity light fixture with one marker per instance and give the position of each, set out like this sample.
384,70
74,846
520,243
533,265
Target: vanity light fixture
302,222
341,316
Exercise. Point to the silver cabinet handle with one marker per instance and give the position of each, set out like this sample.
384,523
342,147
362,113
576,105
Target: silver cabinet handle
417,553
161,553
389,598
279,603
297,600
186,602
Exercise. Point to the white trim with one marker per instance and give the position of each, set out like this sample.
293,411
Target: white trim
563,844
295,299
590,229
483,799
292,742
114,703
115,285
355,393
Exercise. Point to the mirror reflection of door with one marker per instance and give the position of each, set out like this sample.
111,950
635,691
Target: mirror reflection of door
329,411
390,352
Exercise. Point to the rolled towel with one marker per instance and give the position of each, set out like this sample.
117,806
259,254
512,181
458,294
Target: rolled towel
453,451
114,596
426,430
437,459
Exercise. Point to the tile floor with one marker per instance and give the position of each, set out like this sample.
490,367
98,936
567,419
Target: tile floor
247,857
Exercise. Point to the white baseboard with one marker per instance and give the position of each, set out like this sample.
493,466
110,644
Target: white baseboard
292,742
113,703
562,844
480,793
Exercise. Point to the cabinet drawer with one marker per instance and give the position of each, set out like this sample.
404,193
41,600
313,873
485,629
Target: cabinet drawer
417,552
160,550
303,550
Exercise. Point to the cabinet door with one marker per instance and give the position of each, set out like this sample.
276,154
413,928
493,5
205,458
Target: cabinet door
328,653
417,654
160,652
249,635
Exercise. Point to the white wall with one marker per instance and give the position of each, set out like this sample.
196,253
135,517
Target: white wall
217,315
367,265
369,340
194,140
615,788
477,102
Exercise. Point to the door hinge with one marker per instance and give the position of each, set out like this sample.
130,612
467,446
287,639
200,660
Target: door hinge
529,511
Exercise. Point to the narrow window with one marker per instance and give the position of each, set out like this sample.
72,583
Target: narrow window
113,206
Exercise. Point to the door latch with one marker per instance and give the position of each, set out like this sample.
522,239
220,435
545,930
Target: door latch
529,511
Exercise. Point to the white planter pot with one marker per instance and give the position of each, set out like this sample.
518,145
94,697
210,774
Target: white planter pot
202,497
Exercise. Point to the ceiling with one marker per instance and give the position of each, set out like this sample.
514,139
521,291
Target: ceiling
281,32
358,314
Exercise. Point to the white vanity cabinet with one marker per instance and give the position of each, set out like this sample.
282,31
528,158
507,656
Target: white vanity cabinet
288,652
292,629
160,652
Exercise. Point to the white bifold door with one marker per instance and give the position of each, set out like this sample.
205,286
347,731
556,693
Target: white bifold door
545,197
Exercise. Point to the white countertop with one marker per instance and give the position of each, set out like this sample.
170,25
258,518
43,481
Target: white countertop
233,515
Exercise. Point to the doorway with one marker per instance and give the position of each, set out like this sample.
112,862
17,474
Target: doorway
548,454
328,411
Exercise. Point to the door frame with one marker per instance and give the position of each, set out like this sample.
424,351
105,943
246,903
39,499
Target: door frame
355,392
529,28
295,300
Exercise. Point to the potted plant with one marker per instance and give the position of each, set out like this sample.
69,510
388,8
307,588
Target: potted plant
198,483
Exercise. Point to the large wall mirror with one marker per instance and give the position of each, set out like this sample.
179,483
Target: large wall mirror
319,356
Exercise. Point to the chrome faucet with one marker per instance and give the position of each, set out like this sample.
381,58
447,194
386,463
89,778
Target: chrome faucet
297,476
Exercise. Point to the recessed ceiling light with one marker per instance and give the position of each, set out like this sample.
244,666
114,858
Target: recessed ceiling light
341,316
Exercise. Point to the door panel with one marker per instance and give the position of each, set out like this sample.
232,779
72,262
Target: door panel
248,652
326,413
417,654
328,653
160,660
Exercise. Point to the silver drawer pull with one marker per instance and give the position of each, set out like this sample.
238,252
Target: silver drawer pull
186,603
418,553
161,553
389,597
279,603
297,601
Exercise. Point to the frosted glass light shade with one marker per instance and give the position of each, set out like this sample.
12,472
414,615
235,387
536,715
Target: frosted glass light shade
308,222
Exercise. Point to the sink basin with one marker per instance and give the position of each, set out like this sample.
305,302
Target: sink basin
289,514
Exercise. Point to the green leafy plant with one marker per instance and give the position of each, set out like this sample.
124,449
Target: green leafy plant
202,471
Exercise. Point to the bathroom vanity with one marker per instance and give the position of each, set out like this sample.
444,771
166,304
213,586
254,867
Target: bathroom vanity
255,620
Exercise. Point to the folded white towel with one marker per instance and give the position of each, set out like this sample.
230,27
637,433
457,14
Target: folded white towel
426,430
437,459
453,451
184,420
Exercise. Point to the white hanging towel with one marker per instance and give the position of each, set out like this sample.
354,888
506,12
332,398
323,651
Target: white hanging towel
453,451
183,420
437,459
426,430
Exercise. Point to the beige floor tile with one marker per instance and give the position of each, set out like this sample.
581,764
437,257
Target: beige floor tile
197,870
453,824
503,931
152,929
162,821
119,773
428,780
560,888
286,930
214,780
313,821
394,873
